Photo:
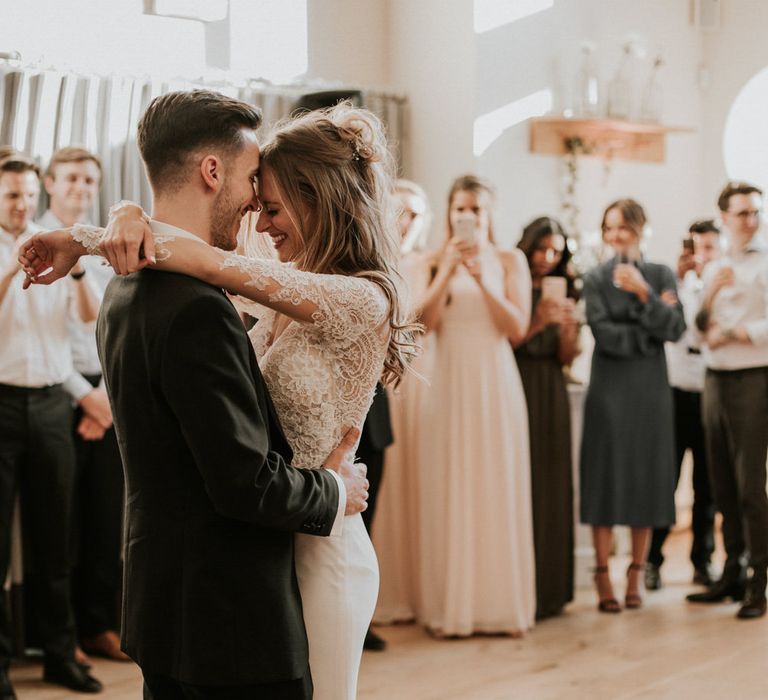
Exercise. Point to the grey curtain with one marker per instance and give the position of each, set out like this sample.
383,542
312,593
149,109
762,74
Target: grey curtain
43,110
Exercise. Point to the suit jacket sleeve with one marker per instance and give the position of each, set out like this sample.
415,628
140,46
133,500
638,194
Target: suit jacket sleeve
207,379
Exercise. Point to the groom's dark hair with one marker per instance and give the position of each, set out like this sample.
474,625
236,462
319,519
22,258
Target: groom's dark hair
178,125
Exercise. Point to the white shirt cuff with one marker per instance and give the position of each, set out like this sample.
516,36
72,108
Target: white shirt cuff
77,386
338,523
757,331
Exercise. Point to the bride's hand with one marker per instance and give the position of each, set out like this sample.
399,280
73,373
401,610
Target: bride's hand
128,243
49,256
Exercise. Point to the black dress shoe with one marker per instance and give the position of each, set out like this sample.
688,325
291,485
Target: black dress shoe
652,577
718,592
754,603
373,642
70,675
6,689
752,608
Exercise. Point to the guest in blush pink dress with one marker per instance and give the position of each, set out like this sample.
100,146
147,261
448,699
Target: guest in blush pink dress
475,523
395,532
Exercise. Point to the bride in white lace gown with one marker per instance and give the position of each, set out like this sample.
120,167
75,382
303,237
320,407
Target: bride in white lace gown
321,374
329,327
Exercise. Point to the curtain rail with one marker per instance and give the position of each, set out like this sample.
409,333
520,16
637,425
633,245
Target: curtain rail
216,82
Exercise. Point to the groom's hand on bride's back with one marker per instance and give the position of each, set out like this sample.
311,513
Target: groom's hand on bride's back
352,473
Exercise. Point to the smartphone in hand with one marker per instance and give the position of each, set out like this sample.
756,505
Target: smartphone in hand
553,287
464,228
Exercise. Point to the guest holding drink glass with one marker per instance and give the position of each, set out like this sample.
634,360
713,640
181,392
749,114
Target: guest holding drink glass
628,468
550,344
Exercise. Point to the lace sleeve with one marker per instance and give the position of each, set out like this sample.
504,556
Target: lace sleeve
342,307
90,238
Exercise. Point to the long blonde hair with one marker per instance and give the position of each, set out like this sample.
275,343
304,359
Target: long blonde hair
334,165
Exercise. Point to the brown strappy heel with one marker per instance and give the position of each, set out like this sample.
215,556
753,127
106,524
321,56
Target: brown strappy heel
633,601
605,605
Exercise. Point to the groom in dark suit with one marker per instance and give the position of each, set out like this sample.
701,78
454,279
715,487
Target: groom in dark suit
211,604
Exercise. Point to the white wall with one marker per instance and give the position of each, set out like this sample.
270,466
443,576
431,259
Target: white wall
432,60
348,41
453,75
101,36
733,55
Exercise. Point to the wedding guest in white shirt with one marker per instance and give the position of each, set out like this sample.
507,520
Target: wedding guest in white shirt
734,320
36,449
72,183
686,369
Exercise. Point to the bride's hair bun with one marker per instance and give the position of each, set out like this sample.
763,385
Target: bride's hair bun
362,130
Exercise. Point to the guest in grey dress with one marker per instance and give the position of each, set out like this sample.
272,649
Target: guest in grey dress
628,452
550,344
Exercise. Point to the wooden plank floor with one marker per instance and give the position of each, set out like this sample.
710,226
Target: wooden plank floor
668,650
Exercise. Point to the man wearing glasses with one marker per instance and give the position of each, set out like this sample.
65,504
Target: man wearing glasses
734,321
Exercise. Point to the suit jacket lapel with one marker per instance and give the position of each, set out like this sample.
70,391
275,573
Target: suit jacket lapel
279,442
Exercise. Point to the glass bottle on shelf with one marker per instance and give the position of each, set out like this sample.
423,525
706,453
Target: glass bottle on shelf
652,99
587,83
621,87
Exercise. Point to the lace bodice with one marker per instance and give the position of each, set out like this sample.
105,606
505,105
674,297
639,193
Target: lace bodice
321,374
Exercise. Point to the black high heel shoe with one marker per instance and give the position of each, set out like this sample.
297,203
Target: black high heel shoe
633,601
605,605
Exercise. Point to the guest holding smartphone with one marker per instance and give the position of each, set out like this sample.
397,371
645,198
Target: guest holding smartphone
476,534
628,447
550,344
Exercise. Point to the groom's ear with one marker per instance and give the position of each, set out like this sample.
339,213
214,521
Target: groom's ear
212,172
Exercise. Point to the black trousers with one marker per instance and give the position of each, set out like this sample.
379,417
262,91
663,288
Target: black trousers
98,522
165,688
689,435
736,424
374,460
37,460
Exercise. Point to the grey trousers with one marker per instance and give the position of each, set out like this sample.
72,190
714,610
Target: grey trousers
735,413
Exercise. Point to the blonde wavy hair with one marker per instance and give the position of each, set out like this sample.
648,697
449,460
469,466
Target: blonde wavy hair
334,167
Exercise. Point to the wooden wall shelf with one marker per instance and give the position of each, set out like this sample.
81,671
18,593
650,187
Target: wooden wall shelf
607,138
